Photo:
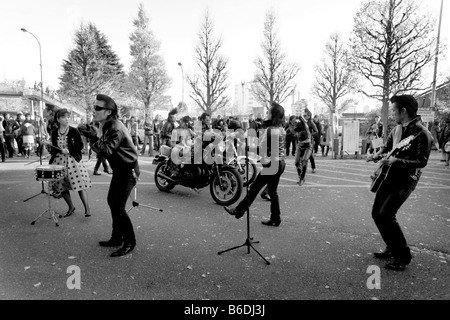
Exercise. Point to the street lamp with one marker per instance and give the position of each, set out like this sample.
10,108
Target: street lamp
433,91
41,113
182,82
243,95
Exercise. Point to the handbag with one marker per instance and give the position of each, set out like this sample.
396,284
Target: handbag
447,146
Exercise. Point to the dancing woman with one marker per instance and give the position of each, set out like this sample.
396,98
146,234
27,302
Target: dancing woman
273,167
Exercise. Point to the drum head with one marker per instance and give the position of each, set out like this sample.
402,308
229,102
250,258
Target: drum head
56,167
44,168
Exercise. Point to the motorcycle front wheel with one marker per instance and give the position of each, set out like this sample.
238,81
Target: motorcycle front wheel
161,183
240,163
226,188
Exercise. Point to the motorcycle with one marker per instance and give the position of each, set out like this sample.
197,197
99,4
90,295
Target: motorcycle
240,162
225,183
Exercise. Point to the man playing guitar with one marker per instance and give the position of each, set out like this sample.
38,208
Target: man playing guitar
401,179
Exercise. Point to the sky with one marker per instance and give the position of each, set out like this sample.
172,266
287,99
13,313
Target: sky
304,26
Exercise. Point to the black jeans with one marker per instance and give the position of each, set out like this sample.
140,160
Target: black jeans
389,198
301,161
316,143
157,142
271,180
290,140
311,158
323,147
2,148
122,184
9,141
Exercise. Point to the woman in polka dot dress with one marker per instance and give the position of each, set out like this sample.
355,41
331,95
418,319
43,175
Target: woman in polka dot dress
66,151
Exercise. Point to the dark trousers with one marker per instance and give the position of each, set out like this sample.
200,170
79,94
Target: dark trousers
323,147
19,140
311,158
9,141
316,143
157,142
290,141
2,148
389,198
271,180
301,160
119,190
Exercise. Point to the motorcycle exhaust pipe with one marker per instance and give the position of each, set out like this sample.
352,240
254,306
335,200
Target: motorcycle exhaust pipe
162,175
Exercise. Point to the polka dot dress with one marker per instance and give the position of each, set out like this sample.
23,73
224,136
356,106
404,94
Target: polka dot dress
77,177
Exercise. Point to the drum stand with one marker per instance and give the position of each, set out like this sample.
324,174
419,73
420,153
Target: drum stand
53,214
41,147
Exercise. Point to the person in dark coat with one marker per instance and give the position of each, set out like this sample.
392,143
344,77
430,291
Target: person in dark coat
113,141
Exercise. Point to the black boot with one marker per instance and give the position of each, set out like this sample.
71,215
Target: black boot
111,243
386,254
126,248
272,223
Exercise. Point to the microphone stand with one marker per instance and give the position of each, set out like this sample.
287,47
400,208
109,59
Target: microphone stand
249,241
135,203
40,148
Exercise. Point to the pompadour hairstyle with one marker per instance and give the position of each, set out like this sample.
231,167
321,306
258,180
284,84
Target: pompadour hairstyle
408,102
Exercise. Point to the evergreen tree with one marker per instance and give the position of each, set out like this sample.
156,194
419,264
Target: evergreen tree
148,79
91,67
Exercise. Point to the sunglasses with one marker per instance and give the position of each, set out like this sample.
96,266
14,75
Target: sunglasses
97,108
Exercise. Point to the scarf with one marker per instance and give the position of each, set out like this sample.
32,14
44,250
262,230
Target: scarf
397,134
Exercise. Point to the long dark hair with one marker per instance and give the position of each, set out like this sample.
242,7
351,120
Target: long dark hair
276,115
110,104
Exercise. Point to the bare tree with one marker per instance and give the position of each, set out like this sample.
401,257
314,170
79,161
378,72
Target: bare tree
148,79
391,44
208,87
334,78
274,76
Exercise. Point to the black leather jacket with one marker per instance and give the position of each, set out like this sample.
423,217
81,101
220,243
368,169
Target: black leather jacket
411,160
116,146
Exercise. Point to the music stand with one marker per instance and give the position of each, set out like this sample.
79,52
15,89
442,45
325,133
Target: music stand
249,241
40,161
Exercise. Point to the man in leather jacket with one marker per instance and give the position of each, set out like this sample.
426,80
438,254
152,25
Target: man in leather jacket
113,141
402,178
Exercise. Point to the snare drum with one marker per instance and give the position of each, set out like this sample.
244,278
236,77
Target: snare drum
50,172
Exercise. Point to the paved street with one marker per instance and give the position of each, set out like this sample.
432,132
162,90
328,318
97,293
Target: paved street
322,249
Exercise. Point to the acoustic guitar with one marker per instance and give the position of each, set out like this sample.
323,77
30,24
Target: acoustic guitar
382,170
